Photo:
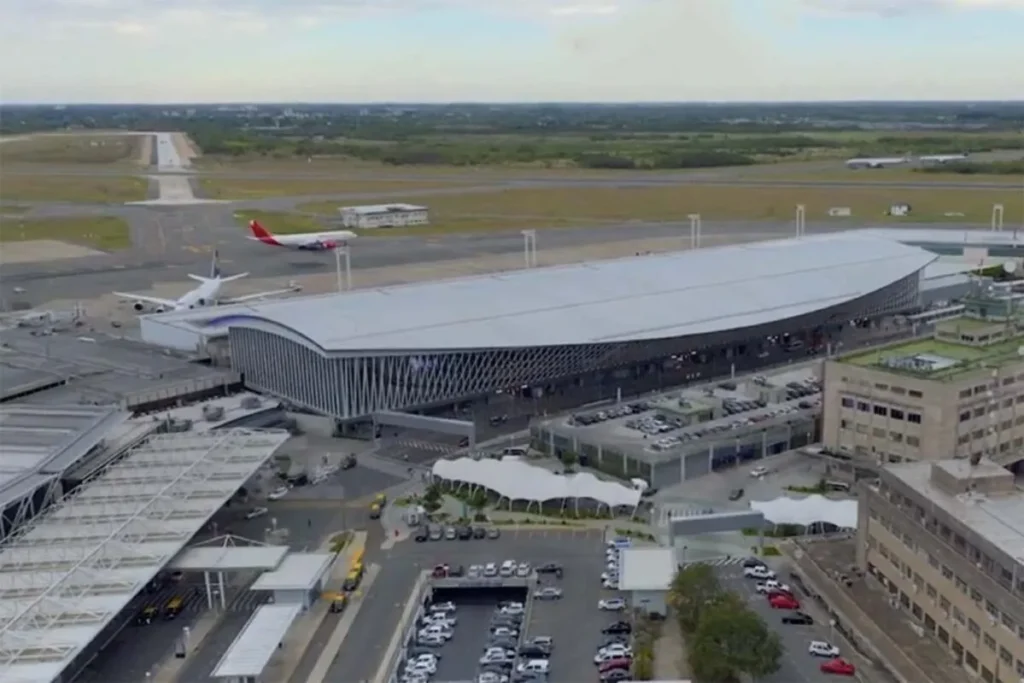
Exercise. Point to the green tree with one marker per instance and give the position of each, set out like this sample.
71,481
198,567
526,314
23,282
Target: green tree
694,589
432,498
569,459
732,640
477,501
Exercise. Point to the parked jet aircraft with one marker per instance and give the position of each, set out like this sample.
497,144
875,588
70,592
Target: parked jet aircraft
942,158
206,294
308,241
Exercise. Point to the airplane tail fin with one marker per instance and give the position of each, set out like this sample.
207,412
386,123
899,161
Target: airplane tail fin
258,230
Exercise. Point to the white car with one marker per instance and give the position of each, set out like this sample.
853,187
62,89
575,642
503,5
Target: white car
431,640
256,512
513,609
435,631
425,657
602,657
508,568
497,657
441,619
491,677
428,667
442,607
761,587
758,572
278,493
524,569
610,585
612,605
490,569
820,648
773,585
759,472
504,632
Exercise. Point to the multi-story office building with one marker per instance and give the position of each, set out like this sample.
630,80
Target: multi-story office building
958,394
946,539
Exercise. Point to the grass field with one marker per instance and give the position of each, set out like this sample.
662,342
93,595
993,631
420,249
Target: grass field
83,189
261,188
63,148
521,208
106,233
282,223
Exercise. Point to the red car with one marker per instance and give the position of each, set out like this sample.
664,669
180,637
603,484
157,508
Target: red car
780,601
619,663
838,666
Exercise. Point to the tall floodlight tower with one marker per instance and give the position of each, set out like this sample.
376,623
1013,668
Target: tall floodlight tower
343,267
530,248
695,228
997,217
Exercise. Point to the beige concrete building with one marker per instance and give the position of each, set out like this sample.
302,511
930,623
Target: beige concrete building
946,539
958,394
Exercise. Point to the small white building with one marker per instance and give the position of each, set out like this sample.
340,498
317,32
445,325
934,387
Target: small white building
646,577
299,580
383,216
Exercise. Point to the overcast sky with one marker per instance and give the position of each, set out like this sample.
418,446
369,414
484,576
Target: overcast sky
509,50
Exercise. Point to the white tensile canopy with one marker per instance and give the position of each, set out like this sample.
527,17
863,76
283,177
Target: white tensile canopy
810,510
515,480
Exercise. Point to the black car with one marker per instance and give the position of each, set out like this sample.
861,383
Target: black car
534,652
422,535
752,562
615,675
736,494
417,650
465,533
456,570
797,618
348,462
618,627
550,568
479,532
507,643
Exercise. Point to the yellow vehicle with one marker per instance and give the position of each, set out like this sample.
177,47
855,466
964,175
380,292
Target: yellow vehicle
352,580
375,511
173,607
338,601
147,616
357,558
380,500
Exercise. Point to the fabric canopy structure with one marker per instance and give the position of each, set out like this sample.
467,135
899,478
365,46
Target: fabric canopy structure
516,480
810,510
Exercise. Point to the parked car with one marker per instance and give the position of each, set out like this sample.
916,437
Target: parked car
758,572
550,568
619,627
759,472
612,604
256,513
822,648
783,601
798,618
278,493
839,667
548,593
736,494
421,535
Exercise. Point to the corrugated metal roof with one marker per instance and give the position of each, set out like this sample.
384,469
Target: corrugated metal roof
647,297
298,571
258,641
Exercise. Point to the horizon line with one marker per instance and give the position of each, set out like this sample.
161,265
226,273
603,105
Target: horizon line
243,103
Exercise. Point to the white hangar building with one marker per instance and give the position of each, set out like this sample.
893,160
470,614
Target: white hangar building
350,355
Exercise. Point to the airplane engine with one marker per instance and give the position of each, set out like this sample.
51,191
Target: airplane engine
139,306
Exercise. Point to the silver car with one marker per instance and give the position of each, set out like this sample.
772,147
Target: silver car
548,593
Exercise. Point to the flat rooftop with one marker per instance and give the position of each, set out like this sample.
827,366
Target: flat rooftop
996,518
642,434
939,360
647,569
91,368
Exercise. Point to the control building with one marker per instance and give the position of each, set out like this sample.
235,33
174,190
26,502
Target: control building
383,216
958,394
945,538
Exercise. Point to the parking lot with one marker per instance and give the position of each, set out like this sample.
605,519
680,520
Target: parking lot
578,550
797,664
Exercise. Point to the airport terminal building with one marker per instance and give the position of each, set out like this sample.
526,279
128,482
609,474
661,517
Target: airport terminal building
666,318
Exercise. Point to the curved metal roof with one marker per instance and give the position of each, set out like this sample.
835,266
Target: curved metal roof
647,297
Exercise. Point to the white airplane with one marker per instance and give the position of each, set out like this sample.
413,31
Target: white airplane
942,158
881,162
206,294
307,241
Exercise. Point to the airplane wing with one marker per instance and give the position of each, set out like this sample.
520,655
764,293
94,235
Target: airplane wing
148,299
259,295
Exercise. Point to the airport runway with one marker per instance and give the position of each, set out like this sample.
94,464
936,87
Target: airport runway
170,243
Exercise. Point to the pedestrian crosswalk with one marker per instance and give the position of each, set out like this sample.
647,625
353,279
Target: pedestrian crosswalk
723,561
426,446
194,599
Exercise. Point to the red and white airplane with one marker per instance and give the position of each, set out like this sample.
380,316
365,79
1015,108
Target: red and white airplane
307,241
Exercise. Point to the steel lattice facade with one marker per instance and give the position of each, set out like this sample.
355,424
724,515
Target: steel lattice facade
348,385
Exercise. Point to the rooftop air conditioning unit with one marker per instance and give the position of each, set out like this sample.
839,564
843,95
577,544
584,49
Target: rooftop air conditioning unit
213,413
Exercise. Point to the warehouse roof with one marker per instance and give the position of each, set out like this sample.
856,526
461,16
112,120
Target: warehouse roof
647,297
67,574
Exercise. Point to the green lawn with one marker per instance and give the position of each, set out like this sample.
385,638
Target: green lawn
105,233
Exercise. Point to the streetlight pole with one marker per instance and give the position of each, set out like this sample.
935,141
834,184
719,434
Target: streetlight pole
997,217
344,276
694,230
530,248
801,220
